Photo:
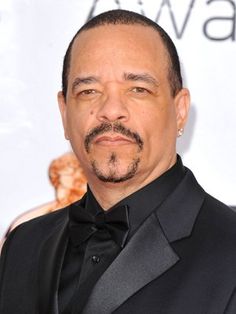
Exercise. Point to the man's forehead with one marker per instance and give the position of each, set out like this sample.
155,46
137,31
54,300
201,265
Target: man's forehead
96,52
130,43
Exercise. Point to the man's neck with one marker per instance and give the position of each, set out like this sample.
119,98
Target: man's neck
111,194
108,194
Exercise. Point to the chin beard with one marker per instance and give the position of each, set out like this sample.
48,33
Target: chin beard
112,175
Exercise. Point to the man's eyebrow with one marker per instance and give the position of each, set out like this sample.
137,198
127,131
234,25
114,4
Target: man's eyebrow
143,77
84,80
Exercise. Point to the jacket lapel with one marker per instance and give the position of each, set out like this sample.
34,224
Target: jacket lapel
148,254
50,263
178,213
145,257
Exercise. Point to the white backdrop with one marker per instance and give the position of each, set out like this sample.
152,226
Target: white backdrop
34,35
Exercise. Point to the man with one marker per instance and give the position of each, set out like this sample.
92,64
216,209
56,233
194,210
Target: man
146,238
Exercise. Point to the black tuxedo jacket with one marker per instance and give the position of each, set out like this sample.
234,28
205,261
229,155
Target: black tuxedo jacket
182,260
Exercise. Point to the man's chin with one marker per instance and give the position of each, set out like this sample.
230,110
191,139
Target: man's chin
104,154
114,174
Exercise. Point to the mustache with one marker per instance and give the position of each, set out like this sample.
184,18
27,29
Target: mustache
106,127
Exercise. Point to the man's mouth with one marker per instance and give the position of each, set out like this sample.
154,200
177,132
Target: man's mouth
112,134
113,140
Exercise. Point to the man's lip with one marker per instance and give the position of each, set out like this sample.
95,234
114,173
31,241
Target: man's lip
105,139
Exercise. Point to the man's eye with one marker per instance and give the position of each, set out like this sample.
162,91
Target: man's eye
140,90
87,92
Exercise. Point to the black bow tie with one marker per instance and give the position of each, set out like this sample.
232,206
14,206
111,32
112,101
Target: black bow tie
82,224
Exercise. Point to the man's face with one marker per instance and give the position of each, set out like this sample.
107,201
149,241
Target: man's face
119,113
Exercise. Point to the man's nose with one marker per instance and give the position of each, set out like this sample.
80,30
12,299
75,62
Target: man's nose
113,108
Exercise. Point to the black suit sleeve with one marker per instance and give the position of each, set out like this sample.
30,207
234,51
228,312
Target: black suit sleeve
3,256
231,307
2,266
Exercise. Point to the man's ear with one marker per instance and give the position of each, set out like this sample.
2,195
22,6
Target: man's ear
182,104
63,109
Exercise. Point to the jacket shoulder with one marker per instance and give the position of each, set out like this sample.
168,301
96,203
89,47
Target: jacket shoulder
219,212
217,221
30,234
